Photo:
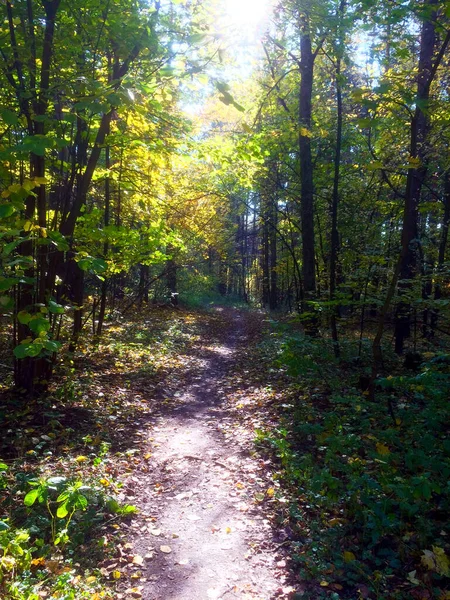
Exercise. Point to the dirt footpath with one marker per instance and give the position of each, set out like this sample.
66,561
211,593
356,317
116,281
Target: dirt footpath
203,530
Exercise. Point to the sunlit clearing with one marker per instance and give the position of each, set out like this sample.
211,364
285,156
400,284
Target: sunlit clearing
247,12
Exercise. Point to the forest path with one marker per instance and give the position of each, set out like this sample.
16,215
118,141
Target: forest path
204,531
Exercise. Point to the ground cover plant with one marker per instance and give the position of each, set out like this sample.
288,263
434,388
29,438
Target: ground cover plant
64,457
369,481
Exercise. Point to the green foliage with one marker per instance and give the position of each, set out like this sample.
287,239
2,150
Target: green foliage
59,512
372,493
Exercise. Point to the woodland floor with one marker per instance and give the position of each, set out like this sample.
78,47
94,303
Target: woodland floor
205,525
210,470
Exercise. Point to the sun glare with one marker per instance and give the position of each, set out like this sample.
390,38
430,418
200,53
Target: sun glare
247,13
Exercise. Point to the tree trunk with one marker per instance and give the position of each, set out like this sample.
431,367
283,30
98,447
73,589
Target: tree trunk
442,248
306,166
415,178
334,245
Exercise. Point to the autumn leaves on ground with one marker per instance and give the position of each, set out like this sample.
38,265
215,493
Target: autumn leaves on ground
213,454
151,447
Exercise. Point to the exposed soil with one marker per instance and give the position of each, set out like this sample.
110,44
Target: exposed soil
205,500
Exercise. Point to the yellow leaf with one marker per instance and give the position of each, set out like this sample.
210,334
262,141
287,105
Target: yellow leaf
270,492
428,560
27,226
414,162
324,583
147,456
382,449
304,132
227,529
105,482
348,556
442,561
81,459
91,579
135,592
335,521
116,575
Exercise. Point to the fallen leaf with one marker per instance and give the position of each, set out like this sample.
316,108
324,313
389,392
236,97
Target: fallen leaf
134,592
348,556
383,449
81,459
155,532
138,560
165,549
412,577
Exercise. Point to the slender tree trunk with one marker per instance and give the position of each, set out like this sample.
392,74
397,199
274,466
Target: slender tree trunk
442,248
414,182
33,373
106,218
265,252
305,157
335,199
273,260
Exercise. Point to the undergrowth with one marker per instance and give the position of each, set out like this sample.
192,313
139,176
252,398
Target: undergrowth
64,458
369,482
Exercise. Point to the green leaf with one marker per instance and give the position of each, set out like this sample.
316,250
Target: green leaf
55,308
95,265
63,497
196,38
31,497
82,502
10,247
20,351
6,303
128,509
59,240
3,466
34,349
24,317
6,210
6,283
8,116
52,346
62,511
39,325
